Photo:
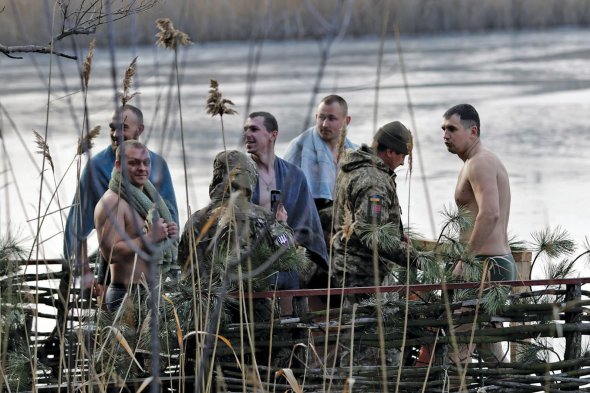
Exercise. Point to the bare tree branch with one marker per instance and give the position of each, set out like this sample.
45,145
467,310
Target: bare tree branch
81,17
7,50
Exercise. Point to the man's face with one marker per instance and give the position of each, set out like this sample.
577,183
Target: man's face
393,159
329,120
456,137
138,165
128,122
256,137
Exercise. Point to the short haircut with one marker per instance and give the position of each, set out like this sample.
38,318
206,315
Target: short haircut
133,109
127,145
466,113
270,122
332,98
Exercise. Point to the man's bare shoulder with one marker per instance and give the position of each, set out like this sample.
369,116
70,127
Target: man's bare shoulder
109,202
110,198
485,162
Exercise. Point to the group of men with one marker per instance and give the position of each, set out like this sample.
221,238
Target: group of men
126,193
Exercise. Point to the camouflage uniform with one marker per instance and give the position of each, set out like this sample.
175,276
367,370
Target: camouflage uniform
366,188
237,226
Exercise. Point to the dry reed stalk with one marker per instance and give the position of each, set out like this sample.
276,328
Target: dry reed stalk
219,106
341,139
87,67
43,149
86,142
169,37
127,79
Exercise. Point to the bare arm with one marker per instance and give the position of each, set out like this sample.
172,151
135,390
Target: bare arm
483,180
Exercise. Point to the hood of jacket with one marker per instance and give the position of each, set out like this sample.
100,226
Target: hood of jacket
362,157
232,171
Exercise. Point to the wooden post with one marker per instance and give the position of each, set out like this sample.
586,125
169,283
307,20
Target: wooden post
523,261
573,340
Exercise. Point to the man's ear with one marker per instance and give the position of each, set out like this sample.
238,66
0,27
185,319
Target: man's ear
140,128
473,130
118,165
347,119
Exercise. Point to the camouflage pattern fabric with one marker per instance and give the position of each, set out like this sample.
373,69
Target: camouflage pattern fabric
231,226
366,190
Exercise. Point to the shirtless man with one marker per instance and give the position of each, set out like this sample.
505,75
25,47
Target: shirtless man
129,251
484,190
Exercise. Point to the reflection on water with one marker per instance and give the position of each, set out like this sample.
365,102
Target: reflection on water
531,90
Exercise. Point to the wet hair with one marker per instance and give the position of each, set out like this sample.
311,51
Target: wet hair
127,145
466,113
136,111
270,122
332,98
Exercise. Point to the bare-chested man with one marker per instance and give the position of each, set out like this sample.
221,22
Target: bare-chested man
124,227
484,190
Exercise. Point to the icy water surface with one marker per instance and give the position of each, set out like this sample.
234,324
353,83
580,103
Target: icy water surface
532,91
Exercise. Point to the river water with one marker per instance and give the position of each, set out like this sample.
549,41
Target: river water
532,90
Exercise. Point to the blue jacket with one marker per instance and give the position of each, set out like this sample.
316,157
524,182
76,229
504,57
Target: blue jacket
302,215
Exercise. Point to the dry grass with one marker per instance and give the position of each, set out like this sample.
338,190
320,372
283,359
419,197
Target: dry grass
292,19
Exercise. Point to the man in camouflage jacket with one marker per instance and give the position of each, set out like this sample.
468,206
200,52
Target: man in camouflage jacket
367,223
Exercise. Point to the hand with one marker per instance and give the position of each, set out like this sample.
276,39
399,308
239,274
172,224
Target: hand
98,291
281,215
172,230
458,270
158,230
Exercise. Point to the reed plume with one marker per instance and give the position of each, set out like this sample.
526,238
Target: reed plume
348,225
216,104
410,146
43,149
87,67
169,37
129,74
86,142
341,139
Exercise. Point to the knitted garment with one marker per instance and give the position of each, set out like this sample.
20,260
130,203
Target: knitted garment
150,206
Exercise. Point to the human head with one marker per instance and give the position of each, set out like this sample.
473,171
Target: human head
137,164
467,114
129,119
243,174
260,132
393,142
460,128
331,117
